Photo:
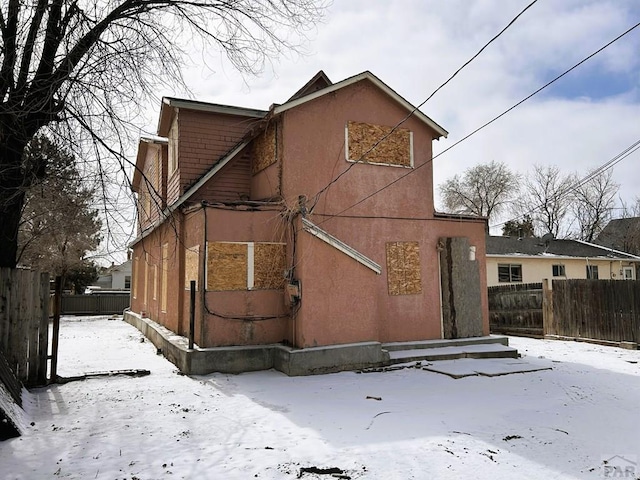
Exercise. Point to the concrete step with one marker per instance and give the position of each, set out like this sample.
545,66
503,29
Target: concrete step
490,339
487,350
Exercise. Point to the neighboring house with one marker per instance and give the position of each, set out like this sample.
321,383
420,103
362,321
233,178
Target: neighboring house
530,260
297,230
116,277
621,234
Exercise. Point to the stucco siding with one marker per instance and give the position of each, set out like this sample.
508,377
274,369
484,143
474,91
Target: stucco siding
536,269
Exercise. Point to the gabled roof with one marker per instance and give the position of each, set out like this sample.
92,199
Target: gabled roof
537,247
317,82
317,87
359,78
621,234
143,146
169,104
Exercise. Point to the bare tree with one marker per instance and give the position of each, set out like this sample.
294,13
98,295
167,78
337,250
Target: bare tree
81,68
484,190
547,197
593,204
630,210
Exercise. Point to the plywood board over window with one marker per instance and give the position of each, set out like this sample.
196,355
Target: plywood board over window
269,265
165,271
191,263
245,266
264,149
403,268
227,266
379,144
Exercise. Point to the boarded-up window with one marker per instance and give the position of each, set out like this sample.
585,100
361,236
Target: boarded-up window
165,272
134,274
155,282
191,266
245,266
269,264
403,268
227,266
146,278
173,146
379,144
263,149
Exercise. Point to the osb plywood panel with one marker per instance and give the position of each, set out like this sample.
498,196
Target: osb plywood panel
269,265
165,271
403,268
393,150
227,266
191,266
263,149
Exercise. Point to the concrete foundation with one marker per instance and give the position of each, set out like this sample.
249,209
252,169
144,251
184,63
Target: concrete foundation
310,361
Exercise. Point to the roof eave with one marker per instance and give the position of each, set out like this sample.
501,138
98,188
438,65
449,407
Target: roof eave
377,82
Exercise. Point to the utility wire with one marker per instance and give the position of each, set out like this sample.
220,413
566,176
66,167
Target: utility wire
482,127
415,109
590,176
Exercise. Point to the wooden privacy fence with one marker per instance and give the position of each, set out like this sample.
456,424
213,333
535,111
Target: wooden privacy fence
601,310
24,323
94,304
516,309
606,310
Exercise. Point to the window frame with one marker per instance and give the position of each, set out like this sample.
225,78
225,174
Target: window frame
561,270
172,154
513,277
592,272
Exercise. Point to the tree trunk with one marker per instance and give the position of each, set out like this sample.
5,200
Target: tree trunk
11,201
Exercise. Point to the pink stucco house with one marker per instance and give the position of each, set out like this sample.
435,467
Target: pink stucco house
309,230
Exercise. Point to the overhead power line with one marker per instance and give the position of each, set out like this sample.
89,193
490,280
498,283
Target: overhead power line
635,146
483,126
415,109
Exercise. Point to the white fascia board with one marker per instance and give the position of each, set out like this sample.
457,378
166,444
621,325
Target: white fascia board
610,250
559,257
340,245
213,107
355,79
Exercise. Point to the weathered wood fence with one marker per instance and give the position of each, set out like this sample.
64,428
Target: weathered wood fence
606,310
516,309
24,323
600,310
95,304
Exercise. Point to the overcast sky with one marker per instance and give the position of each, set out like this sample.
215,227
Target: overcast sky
579,123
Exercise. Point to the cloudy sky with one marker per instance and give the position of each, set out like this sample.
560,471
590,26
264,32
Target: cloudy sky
579,123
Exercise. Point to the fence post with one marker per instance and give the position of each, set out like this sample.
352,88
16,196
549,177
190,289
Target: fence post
56,329
547,309
192,314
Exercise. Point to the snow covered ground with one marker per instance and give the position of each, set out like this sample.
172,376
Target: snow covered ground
404,424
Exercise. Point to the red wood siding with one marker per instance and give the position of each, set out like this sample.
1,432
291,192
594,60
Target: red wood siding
203,139
231,183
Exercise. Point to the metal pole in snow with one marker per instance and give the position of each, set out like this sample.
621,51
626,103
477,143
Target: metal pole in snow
192,314
57,304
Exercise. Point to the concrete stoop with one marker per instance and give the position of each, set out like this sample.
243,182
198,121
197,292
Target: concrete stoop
493,346
310,361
